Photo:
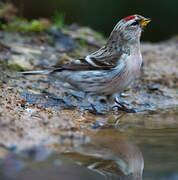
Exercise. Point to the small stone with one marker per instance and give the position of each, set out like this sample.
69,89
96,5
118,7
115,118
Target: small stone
96,125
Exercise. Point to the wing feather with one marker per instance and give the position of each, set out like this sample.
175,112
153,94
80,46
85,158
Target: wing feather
91,62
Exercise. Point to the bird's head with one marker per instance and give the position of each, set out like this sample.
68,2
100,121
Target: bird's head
130,28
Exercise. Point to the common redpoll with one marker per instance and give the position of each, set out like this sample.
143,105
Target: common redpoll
110,69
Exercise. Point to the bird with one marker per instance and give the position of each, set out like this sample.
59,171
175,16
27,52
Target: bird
110,69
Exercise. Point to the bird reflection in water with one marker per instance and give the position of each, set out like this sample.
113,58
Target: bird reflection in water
111,154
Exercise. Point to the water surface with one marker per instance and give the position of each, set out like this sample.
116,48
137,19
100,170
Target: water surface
139,146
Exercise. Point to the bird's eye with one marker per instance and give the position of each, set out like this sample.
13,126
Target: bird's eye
134,23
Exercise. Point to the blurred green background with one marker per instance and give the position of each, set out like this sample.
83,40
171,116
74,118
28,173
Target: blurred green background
102,15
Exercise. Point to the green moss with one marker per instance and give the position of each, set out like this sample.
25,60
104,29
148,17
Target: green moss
12,66
81,43
16,67
37,26
99,36
58,20
22,25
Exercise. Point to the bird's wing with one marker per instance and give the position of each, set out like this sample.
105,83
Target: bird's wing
110,60
91,62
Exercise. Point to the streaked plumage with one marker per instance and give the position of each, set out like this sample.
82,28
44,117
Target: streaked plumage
110,69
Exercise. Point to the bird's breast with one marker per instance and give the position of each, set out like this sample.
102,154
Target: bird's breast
121,81
134,61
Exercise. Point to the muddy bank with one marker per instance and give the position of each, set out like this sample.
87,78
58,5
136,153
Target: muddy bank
43,123
34,109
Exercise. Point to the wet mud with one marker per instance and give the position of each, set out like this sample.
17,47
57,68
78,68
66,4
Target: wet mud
41,114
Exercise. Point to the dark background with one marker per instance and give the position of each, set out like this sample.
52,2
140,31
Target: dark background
102,15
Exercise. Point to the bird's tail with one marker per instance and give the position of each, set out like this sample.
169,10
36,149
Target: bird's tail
45,72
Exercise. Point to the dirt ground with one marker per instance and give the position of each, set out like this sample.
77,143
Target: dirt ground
34,111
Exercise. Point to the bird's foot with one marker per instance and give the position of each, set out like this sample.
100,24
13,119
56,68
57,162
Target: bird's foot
93,110
122,107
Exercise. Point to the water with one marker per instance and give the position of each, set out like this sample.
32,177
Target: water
140,146
119,152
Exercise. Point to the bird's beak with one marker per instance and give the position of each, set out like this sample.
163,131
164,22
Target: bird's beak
144,22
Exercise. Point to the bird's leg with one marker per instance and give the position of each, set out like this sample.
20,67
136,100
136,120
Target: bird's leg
122,107
85,102
90,105
95,111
